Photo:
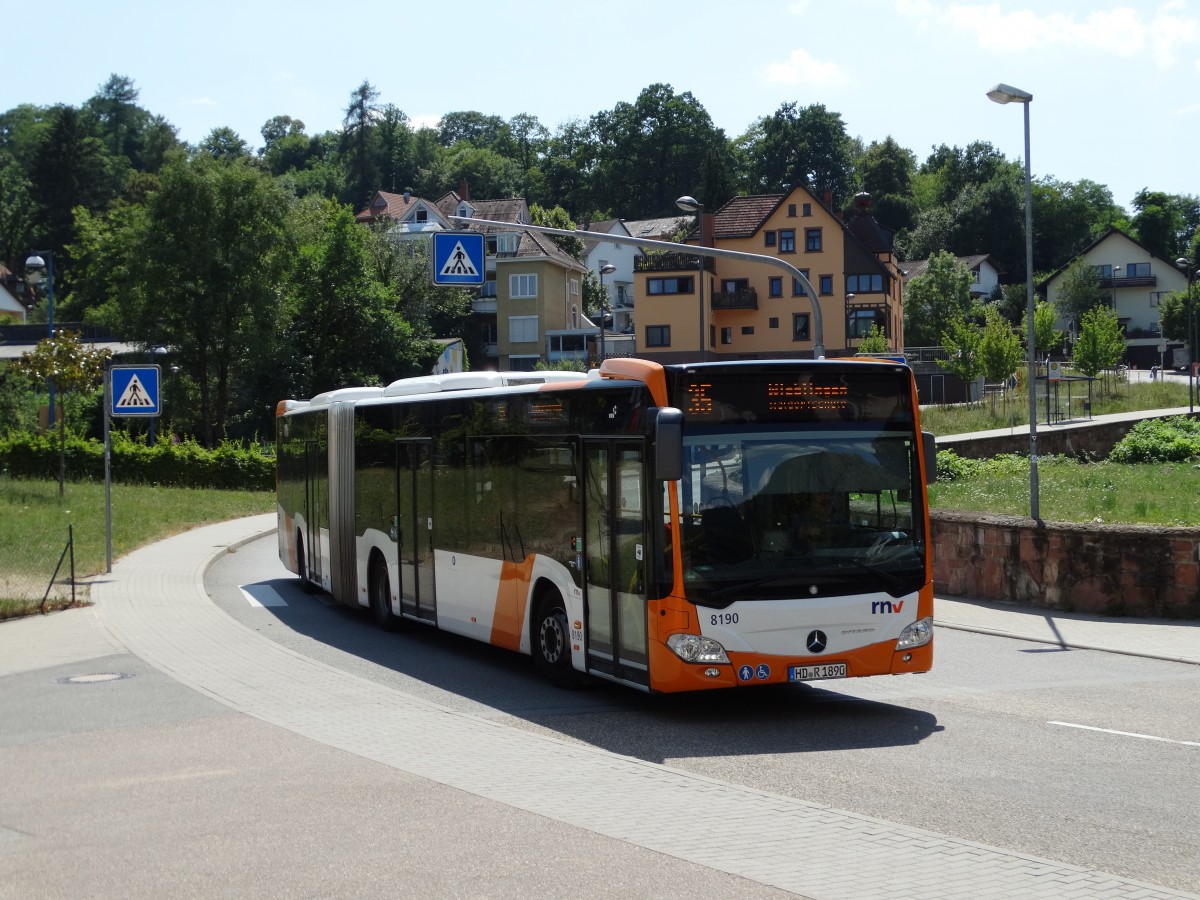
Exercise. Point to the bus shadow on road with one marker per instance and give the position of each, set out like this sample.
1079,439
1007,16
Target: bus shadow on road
769,719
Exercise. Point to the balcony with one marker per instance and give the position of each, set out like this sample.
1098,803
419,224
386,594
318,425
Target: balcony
1129,281
747,299
671,262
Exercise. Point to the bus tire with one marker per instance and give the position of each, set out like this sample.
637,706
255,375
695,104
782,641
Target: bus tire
551,635
302,567
380,589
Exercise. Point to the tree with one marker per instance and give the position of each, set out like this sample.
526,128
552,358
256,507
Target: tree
650,152
962,342
1178,311
358,145
800,146
1045,336
1000,350
72,368
198,269
885,171
936,299
225,144
1100,343
1079,290
875,340
558,218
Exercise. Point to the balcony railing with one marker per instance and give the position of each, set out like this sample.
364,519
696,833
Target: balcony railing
747,299
671,262
1128,281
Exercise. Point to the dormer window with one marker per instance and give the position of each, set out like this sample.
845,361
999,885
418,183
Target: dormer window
465,211
506,243
421,215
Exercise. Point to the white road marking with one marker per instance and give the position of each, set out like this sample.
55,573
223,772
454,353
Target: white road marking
261,595
1145,737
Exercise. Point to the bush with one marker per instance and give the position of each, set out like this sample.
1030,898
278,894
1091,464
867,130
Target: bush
230,466
1174,439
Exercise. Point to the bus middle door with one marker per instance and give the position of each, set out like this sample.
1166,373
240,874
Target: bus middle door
414,542
615,557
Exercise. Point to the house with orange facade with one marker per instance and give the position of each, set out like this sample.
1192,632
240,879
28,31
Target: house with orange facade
723,308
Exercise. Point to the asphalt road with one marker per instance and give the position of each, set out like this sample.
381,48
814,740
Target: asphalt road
999,744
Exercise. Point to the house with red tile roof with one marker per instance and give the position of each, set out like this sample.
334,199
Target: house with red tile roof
725,308
530,307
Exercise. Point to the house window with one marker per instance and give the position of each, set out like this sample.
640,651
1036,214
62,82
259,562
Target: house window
859,322
658,335
864,284
768,239
808,209
729,285
506,243
679,285
1105,271
773,322
574,285
747,329
812,240
421,215
798,289
826,286
1137,270
791,210
800,326
520,286
726,335
787,241
775,286
522,329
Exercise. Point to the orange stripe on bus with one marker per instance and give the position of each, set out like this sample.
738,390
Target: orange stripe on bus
511,599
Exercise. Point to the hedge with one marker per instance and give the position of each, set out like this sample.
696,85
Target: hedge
229,466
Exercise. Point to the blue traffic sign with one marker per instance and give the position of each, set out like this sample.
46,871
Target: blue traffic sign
134,391
458,258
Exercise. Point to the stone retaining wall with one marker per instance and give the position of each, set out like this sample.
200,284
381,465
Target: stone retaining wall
1116,570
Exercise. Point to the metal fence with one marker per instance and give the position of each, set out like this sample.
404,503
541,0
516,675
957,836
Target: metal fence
26,574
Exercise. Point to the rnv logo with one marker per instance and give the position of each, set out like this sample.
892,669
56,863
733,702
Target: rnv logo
886,606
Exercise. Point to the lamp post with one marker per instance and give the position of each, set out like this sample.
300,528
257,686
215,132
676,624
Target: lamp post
1003,93
689,203
1187,267
35,265
605,269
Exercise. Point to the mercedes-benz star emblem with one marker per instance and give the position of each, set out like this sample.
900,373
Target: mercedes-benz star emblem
817,642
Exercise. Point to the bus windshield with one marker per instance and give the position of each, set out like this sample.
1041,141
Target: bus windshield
785,512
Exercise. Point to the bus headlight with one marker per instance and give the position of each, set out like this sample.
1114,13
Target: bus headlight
918,634
695,648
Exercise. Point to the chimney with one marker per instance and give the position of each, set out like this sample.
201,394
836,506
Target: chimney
706,229
462,190
827,196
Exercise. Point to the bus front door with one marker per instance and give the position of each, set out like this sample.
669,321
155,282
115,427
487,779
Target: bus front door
414,541
615,556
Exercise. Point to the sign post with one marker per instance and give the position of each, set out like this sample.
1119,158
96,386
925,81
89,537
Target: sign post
128,391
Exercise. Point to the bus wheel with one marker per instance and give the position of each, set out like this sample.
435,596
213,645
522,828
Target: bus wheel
552,641
381,596
302,566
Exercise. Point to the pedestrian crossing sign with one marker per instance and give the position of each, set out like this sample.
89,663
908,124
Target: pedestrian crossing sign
458,258
134,391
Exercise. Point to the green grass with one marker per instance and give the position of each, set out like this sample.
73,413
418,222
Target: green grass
1119,398
34,520
1071,491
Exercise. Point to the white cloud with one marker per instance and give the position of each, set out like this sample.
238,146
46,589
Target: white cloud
800,68
416,123
1120,31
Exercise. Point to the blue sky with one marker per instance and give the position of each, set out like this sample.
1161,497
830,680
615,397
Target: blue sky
1114,85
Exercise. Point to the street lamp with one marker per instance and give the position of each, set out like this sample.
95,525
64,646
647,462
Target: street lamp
689,203
605,269
35,269
1187,267
1003,93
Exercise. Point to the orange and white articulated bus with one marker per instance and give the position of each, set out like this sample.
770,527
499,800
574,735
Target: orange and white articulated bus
671,528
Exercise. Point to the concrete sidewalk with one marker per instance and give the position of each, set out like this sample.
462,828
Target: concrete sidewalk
155,606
